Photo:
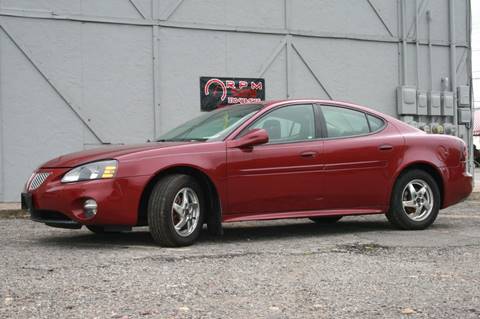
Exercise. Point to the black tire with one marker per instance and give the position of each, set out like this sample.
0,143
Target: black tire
96,229
326,219
398,216
160,218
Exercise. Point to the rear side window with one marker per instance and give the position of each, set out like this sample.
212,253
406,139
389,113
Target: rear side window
342,122
375,123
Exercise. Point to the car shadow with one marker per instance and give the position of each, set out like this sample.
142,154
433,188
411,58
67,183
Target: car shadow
300,230
235,232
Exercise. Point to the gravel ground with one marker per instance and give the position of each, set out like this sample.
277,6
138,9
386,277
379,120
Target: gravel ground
359,267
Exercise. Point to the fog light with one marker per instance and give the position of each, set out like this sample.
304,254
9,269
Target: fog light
90,208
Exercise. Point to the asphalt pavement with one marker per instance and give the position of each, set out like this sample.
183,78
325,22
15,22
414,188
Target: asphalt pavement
357,268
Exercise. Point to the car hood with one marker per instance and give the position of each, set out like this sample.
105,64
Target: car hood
101,153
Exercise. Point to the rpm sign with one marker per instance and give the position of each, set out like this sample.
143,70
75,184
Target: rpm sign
219,92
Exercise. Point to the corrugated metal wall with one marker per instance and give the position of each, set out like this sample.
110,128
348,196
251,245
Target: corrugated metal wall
476,53
77,74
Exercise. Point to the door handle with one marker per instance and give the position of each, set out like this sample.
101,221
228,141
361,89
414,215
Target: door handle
385,147
308,154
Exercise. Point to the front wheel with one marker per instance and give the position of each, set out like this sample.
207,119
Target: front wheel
415,201
175,211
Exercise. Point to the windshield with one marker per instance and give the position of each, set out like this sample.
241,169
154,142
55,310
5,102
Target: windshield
212,126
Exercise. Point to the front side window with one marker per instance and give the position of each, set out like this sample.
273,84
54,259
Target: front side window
288,124
342,122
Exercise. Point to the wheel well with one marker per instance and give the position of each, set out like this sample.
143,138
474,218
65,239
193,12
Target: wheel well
212,199
430,169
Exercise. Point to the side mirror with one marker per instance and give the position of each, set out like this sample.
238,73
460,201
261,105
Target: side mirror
254,137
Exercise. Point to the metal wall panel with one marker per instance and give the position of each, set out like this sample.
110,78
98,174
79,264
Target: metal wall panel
342,17
104,8
208,54
78,74
36,122
270,14
349,70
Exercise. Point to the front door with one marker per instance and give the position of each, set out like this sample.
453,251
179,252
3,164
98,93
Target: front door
282,175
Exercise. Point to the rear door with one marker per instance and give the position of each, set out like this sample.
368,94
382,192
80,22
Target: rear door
360,154
283,175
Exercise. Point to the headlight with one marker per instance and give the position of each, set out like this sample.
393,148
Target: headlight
96,170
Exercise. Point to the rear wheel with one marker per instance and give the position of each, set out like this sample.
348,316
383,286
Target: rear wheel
326,219
175,211
415,201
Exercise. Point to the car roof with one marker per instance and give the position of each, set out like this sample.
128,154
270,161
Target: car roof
269,104
275,103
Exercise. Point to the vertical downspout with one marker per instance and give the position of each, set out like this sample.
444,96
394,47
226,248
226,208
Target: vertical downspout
429,34
288,48
417,45
453,60
156,66
471,166
404,42
417,62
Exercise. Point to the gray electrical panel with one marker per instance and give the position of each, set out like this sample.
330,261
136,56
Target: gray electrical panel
463,94
434,103
422,103
464,116
447,103
407,100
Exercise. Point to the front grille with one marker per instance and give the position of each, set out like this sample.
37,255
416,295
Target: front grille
37,180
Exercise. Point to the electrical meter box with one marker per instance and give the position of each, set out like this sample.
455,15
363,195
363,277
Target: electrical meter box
463,96
464,116
434,104
406,100
422,103
447,103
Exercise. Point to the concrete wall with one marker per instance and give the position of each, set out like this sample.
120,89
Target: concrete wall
77,74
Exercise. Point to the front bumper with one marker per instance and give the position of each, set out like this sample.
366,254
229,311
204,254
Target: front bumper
50,218
61,204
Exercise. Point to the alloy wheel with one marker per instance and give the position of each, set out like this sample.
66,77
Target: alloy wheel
185,211
417,200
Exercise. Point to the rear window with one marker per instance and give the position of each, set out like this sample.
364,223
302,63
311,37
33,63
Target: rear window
375,123
343,122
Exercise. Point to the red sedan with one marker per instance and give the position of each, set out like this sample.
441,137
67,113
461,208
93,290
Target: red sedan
283,159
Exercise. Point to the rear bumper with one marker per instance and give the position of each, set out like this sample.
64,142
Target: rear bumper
458,185
61,205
